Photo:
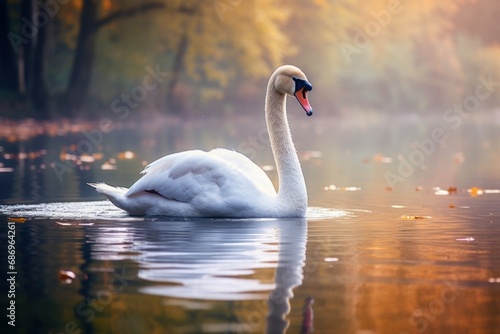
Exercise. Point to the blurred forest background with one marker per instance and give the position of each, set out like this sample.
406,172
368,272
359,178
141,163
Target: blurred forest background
87,58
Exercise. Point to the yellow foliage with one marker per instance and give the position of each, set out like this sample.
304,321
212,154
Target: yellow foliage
207,45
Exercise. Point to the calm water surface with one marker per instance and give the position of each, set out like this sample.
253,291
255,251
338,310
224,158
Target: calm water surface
417,256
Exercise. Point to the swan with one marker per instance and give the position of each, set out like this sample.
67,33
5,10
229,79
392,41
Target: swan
225,183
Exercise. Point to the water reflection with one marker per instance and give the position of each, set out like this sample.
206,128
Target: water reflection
370,268
292,250
367,270
191,264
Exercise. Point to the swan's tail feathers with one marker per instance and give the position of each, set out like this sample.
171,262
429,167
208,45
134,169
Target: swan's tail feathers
107,190
115,194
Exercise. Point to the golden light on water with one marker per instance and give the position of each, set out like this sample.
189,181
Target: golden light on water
413,254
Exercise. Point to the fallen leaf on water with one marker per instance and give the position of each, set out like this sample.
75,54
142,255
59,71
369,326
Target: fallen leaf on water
466,239
380,158
66,276
334,187
127,155
474,191
440,192
16,219
108,166
410,217
350,188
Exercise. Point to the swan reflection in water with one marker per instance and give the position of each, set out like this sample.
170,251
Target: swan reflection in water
202,262
289,274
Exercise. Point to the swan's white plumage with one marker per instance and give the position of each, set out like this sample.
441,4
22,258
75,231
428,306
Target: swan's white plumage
217,166
223,183
220,183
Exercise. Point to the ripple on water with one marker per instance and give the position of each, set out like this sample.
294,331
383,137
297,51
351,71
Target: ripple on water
320,213
106,210
66,210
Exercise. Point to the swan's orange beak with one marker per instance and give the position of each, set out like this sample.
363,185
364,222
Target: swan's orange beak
302,87
301,96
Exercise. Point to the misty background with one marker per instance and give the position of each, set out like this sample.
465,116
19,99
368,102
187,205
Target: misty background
89,58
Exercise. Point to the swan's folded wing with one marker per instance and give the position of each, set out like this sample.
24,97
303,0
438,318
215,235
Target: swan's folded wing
211,175
165,163
248,167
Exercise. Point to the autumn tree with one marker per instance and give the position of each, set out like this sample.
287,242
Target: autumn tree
23,41
90,23
385,55
211,42
206,47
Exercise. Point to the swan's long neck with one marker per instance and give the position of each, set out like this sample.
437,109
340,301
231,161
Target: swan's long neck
292,188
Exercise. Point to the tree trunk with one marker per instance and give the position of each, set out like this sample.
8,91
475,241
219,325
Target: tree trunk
26,56
84,57
178,66
8,66
38,91
81,73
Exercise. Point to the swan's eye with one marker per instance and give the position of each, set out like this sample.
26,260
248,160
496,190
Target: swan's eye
300,83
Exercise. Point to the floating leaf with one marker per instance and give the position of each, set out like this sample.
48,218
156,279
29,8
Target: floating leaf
66,276
127,155
466,239
410,217
381,159
16,219
333,187
108,166
440,192
474,191
350,188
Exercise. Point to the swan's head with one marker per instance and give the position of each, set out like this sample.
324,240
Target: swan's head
292,81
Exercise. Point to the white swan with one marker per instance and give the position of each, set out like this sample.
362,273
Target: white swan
224,183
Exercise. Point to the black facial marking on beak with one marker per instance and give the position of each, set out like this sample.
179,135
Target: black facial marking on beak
301,83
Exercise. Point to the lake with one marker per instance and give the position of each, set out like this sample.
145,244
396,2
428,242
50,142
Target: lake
401,235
